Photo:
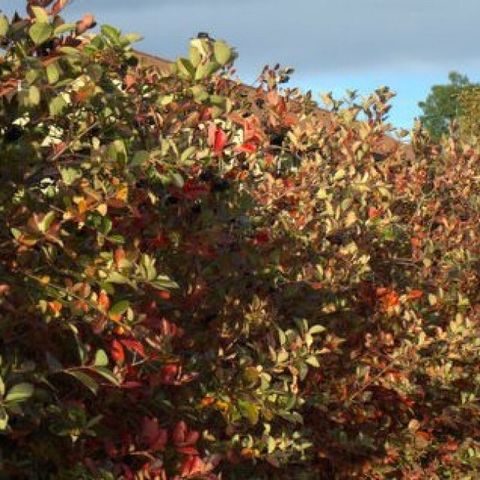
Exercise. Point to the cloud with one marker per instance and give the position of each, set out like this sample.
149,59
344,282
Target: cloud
407,44
315,36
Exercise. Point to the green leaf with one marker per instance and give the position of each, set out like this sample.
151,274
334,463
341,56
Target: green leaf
34,96
40,32
132,38
111,33
292,417
70,175
223,53
187,153
120,307
316,329
194,55
107,374
3,419
205,70
177,179
64,28
313,361
218,100
271,444
117,278
140,158
19,393
57,106
53,73
162,282
101,358
85,379
117,150
70,51
185,68
4,25
117,239
2,387
46,222
249,411
147,268
40,14
199,93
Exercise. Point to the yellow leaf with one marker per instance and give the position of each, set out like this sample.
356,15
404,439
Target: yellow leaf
351,218
102,209
122,193
82,206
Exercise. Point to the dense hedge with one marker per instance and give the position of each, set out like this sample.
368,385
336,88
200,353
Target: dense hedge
199,280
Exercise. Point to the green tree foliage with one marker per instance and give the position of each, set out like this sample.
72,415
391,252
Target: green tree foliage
443,105
469,120
202,281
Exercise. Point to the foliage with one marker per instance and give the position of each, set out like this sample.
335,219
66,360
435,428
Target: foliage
443,104
469,120
200,280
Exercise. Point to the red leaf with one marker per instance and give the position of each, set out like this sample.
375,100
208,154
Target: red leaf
163,294
262,237
217,139
117,352
187,450
159,241
374,212
133,345
192,466
183,437
179,432
166,376
246,148
152,435
192,190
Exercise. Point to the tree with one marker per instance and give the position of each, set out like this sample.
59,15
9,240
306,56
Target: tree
443,105
469,120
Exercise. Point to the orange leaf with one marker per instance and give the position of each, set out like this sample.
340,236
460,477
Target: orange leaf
119,255
415,294
55,307
207,401
103,301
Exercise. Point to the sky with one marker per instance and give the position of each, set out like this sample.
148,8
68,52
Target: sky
408,45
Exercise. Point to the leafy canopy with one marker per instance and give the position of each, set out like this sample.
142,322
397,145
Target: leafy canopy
201,280
444,104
